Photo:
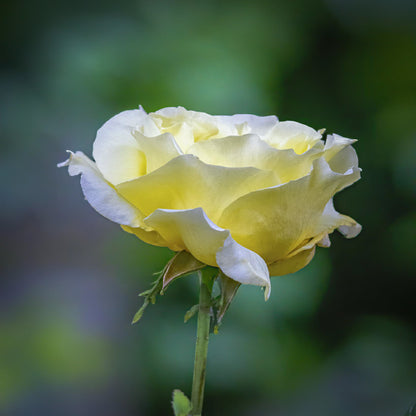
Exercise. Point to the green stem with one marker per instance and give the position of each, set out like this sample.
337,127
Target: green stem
201,348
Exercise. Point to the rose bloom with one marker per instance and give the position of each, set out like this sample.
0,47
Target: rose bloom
250,195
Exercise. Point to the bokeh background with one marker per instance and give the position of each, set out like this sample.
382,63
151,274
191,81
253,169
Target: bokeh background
337,338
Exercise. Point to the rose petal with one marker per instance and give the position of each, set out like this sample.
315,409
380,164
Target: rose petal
339,153
292,135
273,222
246,124
331,219
193,231
158,150
243,265
250,150
185,182
100,193
292,264
117,152
187,126
325,241
146,234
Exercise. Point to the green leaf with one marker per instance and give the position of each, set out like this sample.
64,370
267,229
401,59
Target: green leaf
181,264
190,313
149,296
181,404
140,312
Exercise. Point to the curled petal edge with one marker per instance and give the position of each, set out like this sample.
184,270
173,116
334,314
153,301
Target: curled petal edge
100,193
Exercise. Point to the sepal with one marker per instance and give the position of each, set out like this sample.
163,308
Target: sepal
229,289
180,265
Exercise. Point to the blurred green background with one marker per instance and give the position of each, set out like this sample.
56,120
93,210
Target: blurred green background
337,338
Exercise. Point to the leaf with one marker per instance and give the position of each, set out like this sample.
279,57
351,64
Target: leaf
229,289
140,312
190,313
181,404
149,296
182,263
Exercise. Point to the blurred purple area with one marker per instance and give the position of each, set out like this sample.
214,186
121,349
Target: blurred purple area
337,338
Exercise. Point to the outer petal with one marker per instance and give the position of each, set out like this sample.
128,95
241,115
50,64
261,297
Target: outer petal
275,221
100,194
292,264
292,135
148,236
193,231
250,150
339,153
185,182
243,265
331,219
116,150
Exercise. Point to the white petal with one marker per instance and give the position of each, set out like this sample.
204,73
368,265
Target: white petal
158,150
248,123
193,231
324,241
339,153
100,194
332,219
117,152
243,265
186,126
292,135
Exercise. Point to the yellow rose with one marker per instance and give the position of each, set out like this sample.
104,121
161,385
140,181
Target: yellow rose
248,194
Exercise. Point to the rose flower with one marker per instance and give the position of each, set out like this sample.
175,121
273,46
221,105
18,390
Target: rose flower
250,195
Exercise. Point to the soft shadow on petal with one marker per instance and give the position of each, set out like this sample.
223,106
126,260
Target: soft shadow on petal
274,221
246,124
101,194
339,153
292,135
193,231
117,152
250,150
292,264
185,183
332,219
158,150
147,235
187,126
243,265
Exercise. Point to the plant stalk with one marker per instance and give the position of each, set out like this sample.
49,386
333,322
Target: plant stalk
201,347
